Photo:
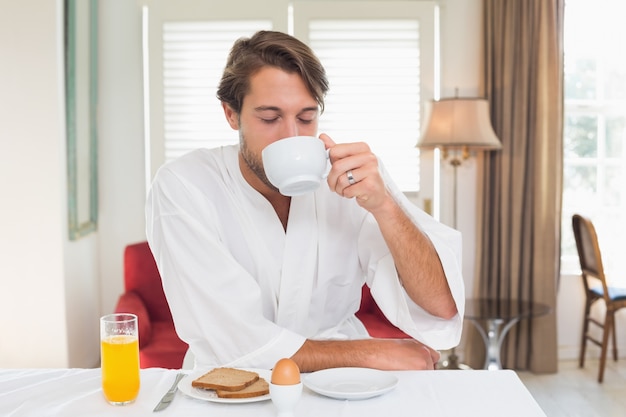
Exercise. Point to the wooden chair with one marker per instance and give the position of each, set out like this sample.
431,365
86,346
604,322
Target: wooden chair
596,288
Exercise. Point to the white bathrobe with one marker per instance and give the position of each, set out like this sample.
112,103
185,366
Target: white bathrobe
245,292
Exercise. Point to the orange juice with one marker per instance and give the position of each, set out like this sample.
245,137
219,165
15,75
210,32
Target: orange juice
120,368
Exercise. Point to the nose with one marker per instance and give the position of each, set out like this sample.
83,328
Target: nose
290,129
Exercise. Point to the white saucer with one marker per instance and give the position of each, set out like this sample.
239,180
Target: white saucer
350,383
209,395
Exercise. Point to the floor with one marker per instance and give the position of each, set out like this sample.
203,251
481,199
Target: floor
575,392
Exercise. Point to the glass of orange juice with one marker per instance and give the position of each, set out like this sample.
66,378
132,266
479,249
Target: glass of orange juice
119,356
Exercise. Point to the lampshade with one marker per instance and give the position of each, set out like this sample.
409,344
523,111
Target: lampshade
459,123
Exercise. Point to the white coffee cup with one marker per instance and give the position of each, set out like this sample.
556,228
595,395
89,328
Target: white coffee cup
296,165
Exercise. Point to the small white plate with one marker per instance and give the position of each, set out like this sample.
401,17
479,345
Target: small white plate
351,383
209,395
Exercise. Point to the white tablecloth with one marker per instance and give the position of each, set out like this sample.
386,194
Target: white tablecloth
77,392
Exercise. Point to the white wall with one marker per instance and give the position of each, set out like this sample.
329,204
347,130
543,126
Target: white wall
52,291
40,278
122,184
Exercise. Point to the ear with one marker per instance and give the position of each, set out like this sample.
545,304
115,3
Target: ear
231,116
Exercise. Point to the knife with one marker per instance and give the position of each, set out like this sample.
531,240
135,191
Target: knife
169,395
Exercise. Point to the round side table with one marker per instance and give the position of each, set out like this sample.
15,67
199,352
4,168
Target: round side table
499,315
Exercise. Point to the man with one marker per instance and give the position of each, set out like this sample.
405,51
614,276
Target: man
252,276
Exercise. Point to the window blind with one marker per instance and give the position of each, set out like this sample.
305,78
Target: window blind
194,55
373,68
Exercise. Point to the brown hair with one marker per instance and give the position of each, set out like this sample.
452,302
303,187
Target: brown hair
268,48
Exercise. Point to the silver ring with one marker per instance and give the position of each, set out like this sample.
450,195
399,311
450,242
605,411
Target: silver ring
351,179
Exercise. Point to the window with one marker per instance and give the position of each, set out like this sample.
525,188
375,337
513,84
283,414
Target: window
373,67
194,54
595,127
379,59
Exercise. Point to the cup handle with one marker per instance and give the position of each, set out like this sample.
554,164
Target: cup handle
328,164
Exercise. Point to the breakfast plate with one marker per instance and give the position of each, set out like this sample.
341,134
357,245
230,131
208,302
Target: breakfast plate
350,383
209,395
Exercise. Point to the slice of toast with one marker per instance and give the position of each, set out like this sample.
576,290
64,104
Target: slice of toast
225,379
257,389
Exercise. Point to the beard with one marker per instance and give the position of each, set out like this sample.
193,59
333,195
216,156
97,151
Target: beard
254,162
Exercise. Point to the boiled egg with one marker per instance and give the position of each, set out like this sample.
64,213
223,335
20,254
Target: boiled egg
286,372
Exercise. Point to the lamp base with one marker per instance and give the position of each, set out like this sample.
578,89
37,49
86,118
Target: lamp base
452,363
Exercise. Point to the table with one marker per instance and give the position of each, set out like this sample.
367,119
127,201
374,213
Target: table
499,315
76,392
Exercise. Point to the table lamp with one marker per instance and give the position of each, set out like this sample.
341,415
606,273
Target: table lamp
458,125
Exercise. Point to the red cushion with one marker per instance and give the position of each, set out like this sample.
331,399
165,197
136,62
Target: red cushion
378,326
131,302
166,350
374,320
142,276
368,304
145,297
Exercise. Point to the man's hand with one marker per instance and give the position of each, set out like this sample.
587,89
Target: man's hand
385,354
355,173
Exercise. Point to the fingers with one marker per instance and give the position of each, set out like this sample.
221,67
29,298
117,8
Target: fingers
355,173
431,357
328,142
354,158
404,354
435,355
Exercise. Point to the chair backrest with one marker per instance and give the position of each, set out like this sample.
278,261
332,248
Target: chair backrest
589,254
142,276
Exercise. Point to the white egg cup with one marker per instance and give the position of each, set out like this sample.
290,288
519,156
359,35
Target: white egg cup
285,398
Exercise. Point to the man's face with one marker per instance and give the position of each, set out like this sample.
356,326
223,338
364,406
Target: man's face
277,106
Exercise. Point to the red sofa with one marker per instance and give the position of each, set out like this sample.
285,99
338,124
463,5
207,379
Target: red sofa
159,345
374,320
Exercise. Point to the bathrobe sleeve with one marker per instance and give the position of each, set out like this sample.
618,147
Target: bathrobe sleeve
382,277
